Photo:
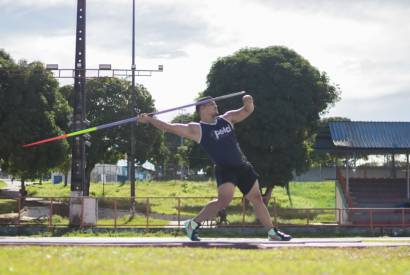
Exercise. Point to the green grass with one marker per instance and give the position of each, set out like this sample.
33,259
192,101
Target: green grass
304,195
8,206
307,195
143,189
2,184
115,260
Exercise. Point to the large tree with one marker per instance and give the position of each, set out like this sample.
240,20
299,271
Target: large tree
31,108
108,100
289,94
180,156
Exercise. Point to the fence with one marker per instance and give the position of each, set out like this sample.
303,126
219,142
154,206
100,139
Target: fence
171,212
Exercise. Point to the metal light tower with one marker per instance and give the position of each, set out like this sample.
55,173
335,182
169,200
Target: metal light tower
78,148
133,108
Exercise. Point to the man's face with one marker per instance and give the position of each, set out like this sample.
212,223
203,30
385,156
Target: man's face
210,108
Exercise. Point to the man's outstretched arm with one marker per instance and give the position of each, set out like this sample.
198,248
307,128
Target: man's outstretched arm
238,115
190,130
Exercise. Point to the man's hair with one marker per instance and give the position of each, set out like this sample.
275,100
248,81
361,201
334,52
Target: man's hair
197,107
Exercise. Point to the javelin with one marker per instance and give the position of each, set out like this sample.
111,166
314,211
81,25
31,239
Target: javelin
129,120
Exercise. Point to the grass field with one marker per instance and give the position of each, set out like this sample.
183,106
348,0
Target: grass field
2,184
88,260
303,194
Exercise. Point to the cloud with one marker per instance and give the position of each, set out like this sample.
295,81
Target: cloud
21,4
360,10
362,45
163,28
40,20
390,107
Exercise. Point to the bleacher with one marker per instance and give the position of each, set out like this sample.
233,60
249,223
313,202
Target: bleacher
378,194
367,190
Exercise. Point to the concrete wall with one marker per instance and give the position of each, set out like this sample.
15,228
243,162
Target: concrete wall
341,203
317,174
374,172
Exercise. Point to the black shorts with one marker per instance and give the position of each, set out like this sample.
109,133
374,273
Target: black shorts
243,176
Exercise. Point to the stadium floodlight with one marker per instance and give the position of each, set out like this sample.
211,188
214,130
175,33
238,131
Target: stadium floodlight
105,67
160,68
52,67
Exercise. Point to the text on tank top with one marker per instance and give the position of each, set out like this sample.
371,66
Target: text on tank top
220,143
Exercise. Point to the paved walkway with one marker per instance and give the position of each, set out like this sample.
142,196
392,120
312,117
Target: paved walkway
241,243
12,189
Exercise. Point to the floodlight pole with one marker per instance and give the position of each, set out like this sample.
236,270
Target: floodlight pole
78,180
407,175
133,109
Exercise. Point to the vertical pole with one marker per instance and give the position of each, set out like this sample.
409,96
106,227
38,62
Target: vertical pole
275,214
402,217
408,175
307,216
133,109
82,212
78,181
115,214
179,212
243,210
147,212
371,219
103,179
19,210
347,176
78,147
340,216
50,215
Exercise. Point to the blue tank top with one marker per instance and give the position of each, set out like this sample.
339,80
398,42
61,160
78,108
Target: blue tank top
219,142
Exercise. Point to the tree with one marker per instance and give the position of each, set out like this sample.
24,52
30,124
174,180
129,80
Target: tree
319,158
198,158
31,109
289,94
109,99
184,153
177,149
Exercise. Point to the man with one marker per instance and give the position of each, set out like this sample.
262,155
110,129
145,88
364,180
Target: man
215,133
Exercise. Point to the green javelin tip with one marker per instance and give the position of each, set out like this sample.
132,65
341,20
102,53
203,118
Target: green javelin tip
92,129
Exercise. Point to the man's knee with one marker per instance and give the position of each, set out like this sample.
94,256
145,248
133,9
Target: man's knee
223,202
255,198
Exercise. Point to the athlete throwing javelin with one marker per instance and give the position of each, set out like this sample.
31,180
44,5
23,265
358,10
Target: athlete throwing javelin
216,135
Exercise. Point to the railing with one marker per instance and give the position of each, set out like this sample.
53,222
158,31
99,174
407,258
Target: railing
170,212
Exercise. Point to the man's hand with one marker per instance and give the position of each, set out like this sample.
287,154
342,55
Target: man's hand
238,115
248,102
247,99
143,118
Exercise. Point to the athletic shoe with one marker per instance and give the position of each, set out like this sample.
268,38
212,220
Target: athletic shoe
191,228
276,235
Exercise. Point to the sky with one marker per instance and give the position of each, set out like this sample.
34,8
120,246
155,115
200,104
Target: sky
363,45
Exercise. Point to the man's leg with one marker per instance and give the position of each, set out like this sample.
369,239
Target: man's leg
225,195
262,213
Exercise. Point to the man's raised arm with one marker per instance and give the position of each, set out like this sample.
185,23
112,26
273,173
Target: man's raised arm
190,130
238,115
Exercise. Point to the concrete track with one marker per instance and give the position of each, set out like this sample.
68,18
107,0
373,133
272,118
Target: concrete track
241,243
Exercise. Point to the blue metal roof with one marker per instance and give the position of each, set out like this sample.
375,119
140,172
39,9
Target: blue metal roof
368,135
